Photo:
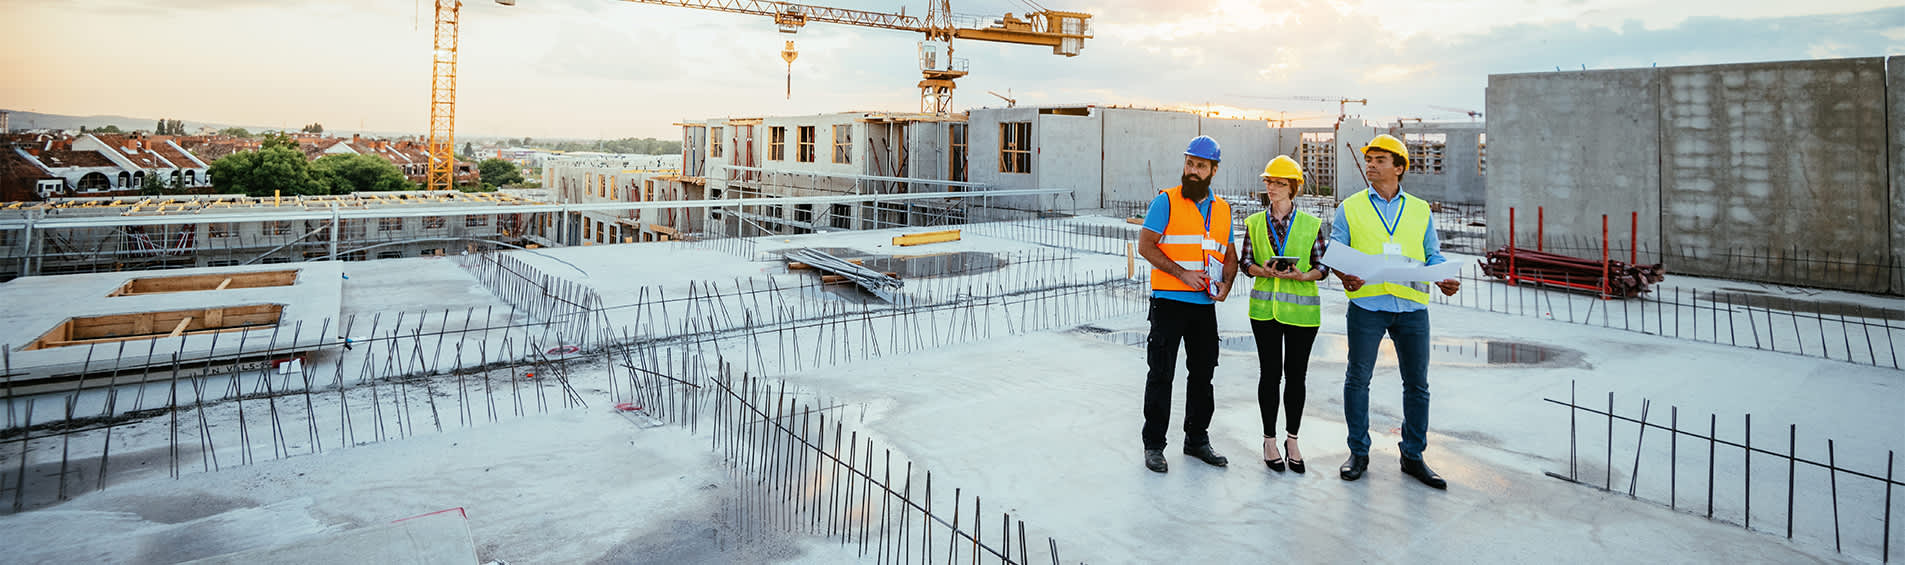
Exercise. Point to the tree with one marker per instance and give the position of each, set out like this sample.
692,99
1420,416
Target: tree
469,149
235,132
498,172
313,127
108,129
170,127
278,139
262,172
344,174
157,184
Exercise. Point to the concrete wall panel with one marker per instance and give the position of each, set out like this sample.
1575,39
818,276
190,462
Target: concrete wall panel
1580,145
1773,161
1895,101
1068,157
1248,146
1144,151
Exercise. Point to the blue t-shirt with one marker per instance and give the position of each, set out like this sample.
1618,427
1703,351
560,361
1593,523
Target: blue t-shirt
1159,217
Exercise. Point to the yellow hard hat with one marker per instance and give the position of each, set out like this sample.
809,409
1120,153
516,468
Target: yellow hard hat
1389,143
1283,167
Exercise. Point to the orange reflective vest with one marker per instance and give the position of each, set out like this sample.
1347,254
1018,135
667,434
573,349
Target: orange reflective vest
1183,239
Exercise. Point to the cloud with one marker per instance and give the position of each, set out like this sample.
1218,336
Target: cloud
549,68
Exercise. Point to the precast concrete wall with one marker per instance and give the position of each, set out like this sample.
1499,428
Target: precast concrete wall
1895,119
983,146
1786,157
1782,172
1067,156
1572,146
1248,146
1144,151
1457,178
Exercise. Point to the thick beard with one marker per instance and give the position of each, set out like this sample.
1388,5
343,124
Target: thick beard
1194,190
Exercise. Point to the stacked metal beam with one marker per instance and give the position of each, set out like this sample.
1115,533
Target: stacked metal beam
1612,278
878,283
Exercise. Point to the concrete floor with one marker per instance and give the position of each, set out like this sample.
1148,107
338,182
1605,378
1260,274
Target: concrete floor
1044,426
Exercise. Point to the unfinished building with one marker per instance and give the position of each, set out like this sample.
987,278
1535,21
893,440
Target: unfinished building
1783,172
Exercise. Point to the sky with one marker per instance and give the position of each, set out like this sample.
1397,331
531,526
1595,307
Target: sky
610,69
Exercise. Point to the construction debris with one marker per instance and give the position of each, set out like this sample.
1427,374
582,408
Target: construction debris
837,270
1523,265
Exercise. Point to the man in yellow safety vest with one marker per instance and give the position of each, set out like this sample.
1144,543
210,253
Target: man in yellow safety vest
1384,220
1188,241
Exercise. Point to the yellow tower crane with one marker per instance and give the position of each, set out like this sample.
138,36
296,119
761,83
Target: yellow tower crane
442,141
1065,32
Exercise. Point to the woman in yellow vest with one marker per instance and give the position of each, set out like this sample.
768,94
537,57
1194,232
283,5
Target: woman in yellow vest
1285,309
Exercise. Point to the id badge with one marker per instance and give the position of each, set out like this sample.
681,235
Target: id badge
1392,248
1215,270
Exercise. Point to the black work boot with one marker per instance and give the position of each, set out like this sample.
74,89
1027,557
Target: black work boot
1154,460
1206,454
1354,467
1416,468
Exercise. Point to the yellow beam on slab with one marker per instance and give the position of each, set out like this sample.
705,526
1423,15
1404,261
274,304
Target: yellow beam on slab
926,237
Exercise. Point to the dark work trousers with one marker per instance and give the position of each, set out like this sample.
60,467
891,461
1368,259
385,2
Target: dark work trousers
1196,326
1282,350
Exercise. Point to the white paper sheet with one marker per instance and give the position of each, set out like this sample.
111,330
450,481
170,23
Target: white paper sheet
1385,268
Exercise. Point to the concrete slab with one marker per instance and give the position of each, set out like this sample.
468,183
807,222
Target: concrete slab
36,305
438,538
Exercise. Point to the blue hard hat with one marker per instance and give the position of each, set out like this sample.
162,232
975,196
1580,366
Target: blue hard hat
1205,148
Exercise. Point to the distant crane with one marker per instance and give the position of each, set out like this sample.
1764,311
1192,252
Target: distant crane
1472,115
1010,102
1342,104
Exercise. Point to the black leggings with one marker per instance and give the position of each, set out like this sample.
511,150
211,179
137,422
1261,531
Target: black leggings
1271,336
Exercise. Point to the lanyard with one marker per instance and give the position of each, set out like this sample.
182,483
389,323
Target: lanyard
1279,238
1386,223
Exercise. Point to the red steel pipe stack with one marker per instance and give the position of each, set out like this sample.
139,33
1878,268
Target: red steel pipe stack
1621,280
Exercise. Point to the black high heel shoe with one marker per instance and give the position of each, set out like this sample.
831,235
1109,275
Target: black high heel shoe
1296,465
1273,464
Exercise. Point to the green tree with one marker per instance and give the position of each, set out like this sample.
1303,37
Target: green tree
344,174
157,184
498,172
262,172
108,129
468,149
278,139
170,127
235,132
313,127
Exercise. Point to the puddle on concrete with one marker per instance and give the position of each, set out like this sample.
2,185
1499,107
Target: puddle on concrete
1129,231
1446,351
951,264
928,265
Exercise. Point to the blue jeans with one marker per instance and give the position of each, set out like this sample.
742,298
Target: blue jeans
1410,332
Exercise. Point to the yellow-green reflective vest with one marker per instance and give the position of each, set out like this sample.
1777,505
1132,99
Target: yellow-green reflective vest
1367,233
1290,302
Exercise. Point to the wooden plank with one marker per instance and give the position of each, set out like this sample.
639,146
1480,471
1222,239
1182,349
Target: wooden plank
926,238
1138,221
798,266
181,327
222,285
214,318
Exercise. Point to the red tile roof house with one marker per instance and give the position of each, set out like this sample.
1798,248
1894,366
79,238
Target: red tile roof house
95,165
